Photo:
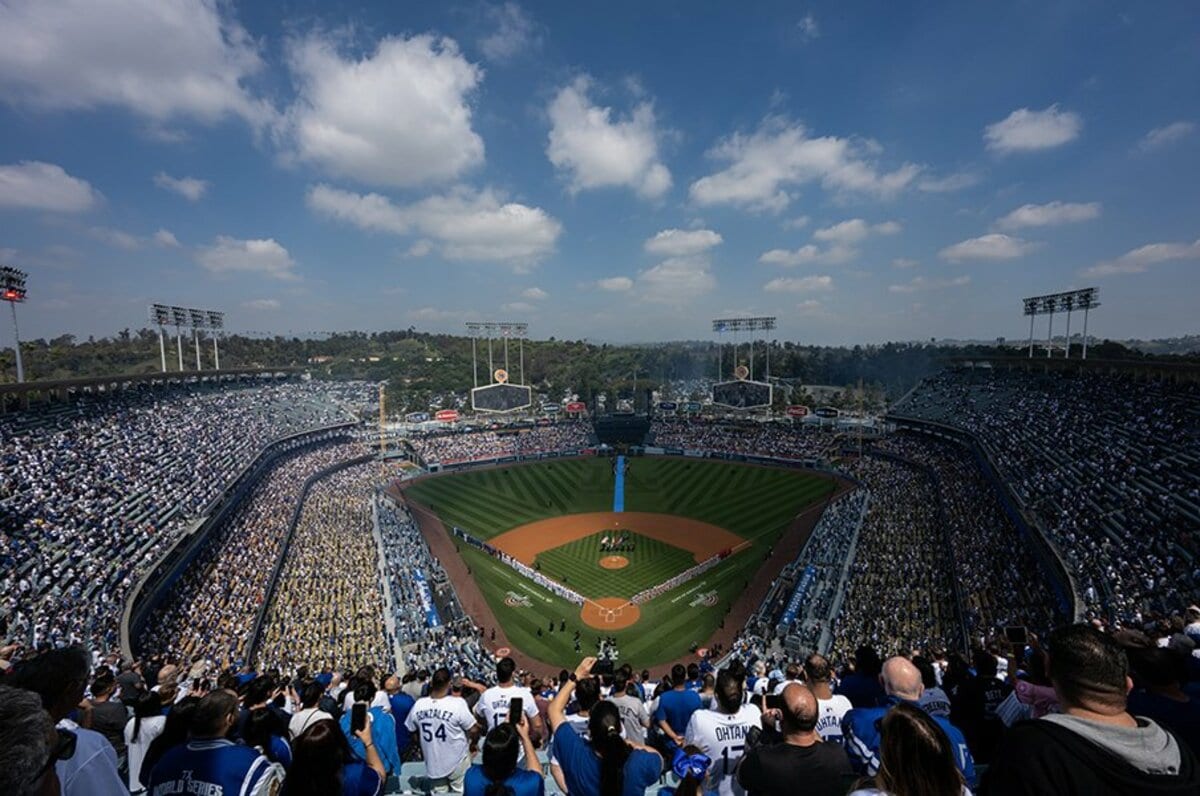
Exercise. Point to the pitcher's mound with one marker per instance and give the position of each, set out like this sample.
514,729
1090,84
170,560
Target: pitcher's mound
614,562
610,613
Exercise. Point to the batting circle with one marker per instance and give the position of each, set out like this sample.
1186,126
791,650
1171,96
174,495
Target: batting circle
614,562
610,613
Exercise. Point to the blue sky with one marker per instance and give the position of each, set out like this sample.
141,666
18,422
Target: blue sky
617,171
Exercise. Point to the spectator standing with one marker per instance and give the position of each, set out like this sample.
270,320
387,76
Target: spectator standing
916,758
901,683
720,732
861,686
59,678
675,708
401,703
492,707
831,707
1094,746
606,765
635,719
499,775
325,765
108,714
29,745
210,760
140,731
310,712
444,725
381,724
802,757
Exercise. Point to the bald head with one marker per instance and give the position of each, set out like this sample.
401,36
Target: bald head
392,684
901,678
800,709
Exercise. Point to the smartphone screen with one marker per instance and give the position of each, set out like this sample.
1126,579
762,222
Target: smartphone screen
1016,634
358,716
774,702
515,706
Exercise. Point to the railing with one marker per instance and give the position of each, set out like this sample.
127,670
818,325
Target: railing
150,590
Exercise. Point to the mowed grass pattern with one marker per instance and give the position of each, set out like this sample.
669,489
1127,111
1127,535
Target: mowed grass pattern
756,503
577,564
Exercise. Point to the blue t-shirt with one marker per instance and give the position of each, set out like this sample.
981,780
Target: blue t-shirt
217,764
401,703
522,782
359,779
677,708
581,767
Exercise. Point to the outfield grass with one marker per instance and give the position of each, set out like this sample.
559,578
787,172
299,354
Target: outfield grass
577,564
755,503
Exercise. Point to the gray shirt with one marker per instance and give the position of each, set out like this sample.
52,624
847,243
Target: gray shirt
633,714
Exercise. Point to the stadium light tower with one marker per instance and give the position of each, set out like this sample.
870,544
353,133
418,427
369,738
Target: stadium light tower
216,322
199,319
751,325
1071,300
12,290
179,317
160,316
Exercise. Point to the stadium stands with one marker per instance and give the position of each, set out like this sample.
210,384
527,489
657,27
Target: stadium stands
476,445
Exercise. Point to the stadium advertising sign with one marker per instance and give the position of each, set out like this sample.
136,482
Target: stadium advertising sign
551,409
446,415
576,407
827,412
667,406
417,417
797,411
692,407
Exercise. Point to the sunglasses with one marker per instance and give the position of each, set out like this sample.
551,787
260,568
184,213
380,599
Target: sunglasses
64,749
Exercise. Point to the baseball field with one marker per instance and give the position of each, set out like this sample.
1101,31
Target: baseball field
611,538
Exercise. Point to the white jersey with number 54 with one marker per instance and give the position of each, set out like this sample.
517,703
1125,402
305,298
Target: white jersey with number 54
441,726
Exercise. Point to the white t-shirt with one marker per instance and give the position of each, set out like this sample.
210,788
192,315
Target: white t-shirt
380,701
441,726
779,688
150,728
829,717
722,737
492,707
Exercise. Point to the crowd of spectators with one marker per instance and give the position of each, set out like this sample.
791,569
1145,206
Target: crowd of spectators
326,603
93,492
475,445
1011,718
211,610
1110,464
453,641
783,439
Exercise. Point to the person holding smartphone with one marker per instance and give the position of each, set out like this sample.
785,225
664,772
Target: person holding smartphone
499,774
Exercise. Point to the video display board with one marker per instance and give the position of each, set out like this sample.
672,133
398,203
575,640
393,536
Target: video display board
742,394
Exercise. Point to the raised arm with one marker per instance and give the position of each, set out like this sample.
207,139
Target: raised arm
558,706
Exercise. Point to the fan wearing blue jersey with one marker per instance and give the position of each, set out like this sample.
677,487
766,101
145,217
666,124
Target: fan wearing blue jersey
209,763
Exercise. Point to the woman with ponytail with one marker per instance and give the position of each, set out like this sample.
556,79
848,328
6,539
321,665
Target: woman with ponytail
498,775
607,764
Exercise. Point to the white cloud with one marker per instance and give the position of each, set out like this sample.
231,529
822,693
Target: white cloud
808,253
799,222
920,283
1161,137
810,308
682,242
166,238
763,165
436,314
535,293
808,27
1024,130
44,186
904,262
676,281
514,33
518,306
949,183
160,59
854,230
116,237
261,304
263,256
464,224
189,188
803,284
595,150
994,246
399,116
615,284
1142,258
1051,214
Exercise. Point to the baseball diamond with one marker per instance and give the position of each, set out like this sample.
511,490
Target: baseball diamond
691,528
